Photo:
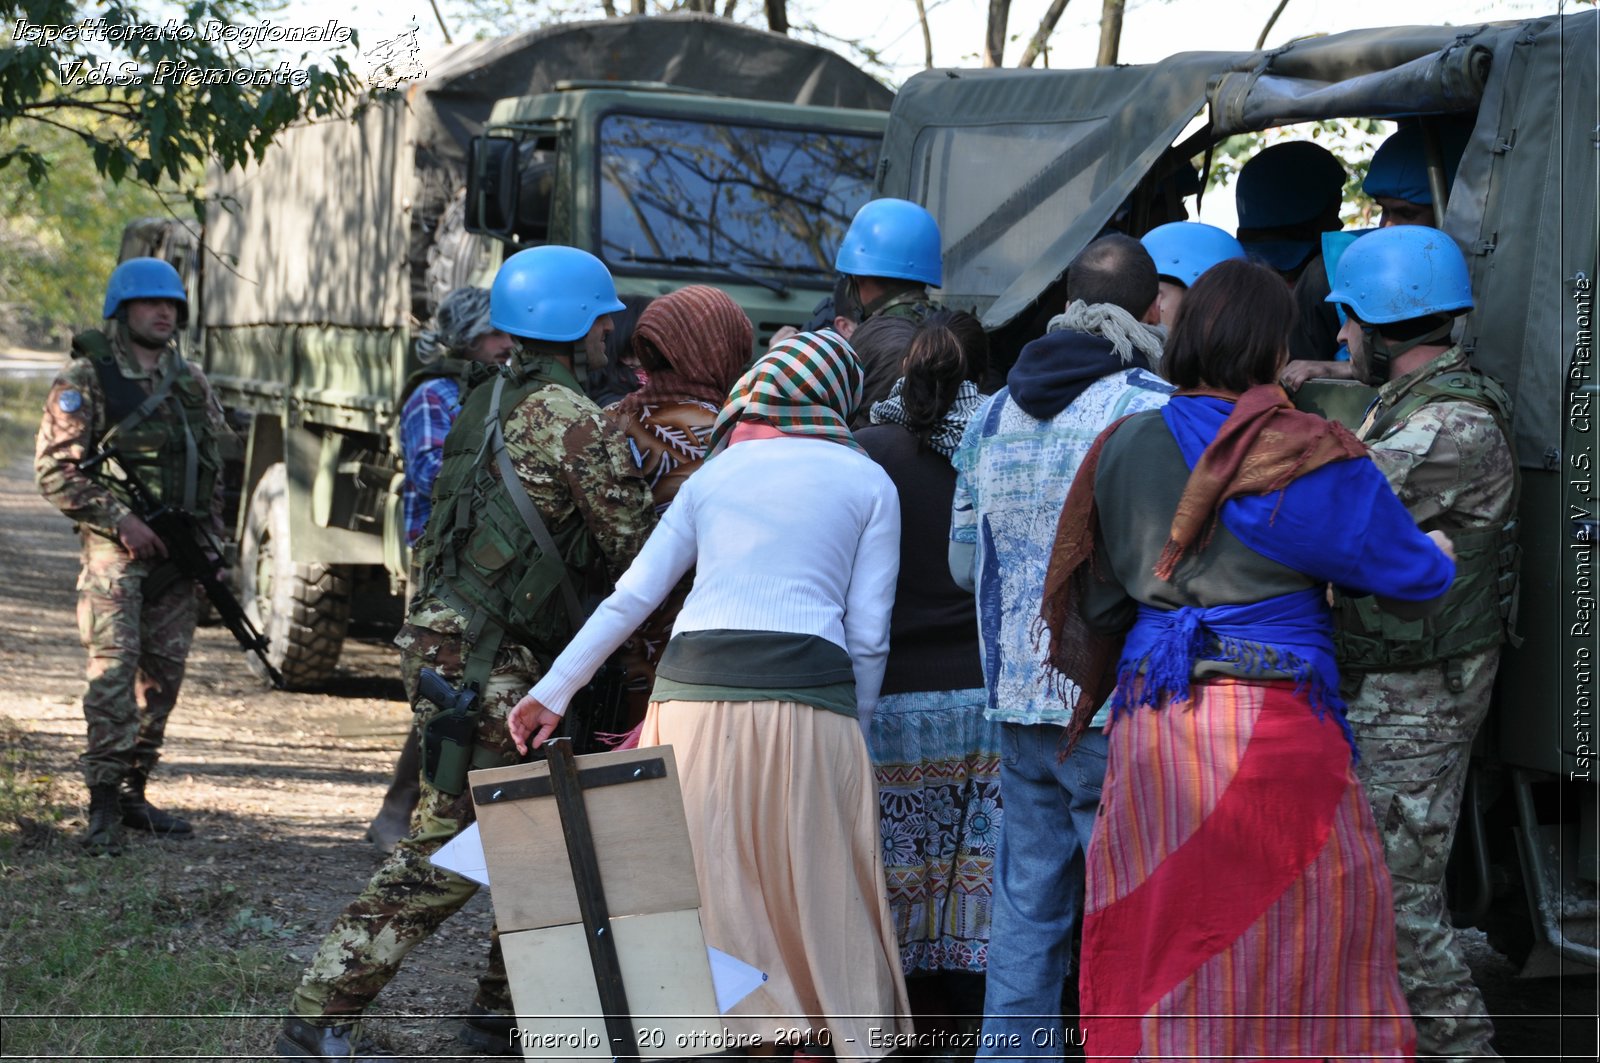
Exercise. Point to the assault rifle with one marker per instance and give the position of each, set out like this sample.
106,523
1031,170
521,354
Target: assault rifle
191,549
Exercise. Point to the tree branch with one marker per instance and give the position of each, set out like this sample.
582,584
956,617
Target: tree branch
994,37
1110,31
1261,41
1047,26
442,27
927,35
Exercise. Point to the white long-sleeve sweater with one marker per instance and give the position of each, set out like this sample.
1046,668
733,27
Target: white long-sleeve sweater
791,535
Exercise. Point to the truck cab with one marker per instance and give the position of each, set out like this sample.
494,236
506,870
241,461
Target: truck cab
672,187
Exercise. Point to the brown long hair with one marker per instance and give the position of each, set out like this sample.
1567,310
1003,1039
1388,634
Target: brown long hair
1232,328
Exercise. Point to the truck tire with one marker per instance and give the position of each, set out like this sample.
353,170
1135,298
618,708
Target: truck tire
302,609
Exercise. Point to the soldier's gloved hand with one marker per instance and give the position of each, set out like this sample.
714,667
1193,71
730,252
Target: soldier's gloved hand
531,717
1442,541
137,538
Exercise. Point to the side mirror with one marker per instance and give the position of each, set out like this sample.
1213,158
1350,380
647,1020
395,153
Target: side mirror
492,184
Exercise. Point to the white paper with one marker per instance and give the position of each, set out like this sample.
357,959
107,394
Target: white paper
732,978
463,854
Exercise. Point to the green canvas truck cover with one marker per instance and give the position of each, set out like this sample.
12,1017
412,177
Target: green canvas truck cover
1024,167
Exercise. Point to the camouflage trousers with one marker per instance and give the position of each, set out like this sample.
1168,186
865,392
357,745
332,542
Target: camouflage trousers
1415,736
137,646
408,898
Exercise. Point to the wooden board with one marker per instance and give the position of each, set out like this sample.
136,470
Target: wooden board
641,841
664,971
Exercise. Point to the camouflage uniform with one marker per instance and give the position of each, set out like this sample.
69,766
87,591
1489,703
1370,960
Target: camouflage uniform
137,630
571,461
1453,468
912,304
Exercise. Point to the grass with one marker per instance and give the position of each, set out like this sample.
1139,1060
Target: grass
130,956
21,406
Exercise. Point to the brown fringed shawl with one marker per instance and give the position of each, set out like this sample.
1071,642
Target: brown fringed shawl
1263,446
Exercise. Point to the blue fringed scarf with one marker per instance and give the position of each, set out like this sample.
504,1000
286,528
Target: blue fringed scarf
1291,634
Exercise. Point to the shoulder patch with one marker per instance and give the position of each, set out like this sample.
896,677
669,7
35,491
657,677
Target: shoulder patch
70,400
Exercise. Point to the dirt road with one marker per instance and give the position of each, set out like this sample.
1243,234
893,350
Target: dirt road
280,788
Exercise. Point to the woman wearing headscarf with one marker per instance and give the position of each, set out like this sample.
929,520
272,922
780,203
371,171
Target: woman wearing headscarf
794,537
692,345
1238,903
937,759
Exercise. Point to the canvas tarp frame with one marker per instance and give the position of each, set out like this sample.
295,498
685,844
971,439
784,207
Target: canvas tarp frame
1535,133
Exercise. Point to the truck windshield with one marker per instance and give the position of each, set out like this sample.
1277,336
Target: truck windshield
695,194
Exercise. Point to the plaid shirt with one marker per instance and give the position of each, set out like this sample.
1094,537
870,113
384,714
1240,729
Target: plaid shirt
424,422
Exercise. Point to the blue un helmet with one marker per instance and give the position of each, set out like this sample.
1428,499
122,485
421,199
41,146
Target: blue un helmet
892,238
551,293
1185,249
1399,168
145,278
1401,273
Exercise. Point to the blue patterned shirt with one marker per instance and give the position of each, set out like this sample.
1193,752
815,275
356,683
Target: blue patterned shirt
1012,476
425,420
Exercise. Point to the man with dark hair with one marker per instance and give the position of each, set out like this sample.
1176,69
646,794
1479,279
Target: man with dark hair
1013,468
1417,691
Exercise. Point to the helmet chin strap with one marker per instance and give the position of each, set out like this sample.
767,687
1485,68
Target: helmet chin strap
1381,354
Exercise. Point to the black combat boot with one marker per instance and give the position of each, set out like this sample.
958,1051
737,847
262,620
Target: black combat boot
139,814
488,1032
104,834
301,1039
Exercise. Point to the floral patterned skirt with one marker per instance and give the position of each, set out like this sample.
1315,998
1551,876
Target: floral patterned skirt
937,762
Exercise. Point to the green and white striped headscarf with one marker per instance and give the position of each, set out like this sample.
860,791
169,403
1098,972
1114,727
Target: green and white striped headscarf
809,384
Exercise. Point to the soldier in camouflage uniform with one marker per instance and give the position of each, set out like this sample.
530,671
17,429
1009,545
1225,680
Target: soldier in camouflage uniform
128,388
490,616
1417,690
889,257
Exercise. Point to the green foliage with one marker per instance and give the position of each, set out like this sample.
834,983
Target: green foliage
153,122
59,238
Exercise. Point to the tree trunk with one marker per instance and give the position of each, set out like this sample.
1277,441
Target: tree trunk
1261,41
927,36
637,8
727,9
778,15
994,37
1047,26
1110,31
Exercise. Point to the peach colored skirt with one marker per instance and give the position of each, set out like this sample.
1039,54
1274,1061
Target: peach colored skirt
783,819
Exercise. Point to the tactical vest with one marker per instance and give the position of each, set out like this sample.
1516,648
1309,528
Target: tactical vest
164,438
1479,609
478,555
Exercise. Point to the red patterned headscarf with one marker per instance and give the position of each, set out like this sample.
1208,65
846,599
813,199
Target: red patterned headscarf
701,341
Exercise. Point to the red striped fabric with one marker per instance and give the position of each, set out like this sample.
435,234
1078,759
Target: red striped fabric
1238,902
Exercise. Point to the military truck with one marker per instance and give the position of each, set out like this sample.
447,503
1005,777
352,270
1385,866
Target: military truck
1023,168
680,149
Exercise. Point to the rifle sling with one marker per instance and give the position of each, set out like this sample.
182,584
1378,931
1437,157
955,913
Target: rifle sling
495,439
